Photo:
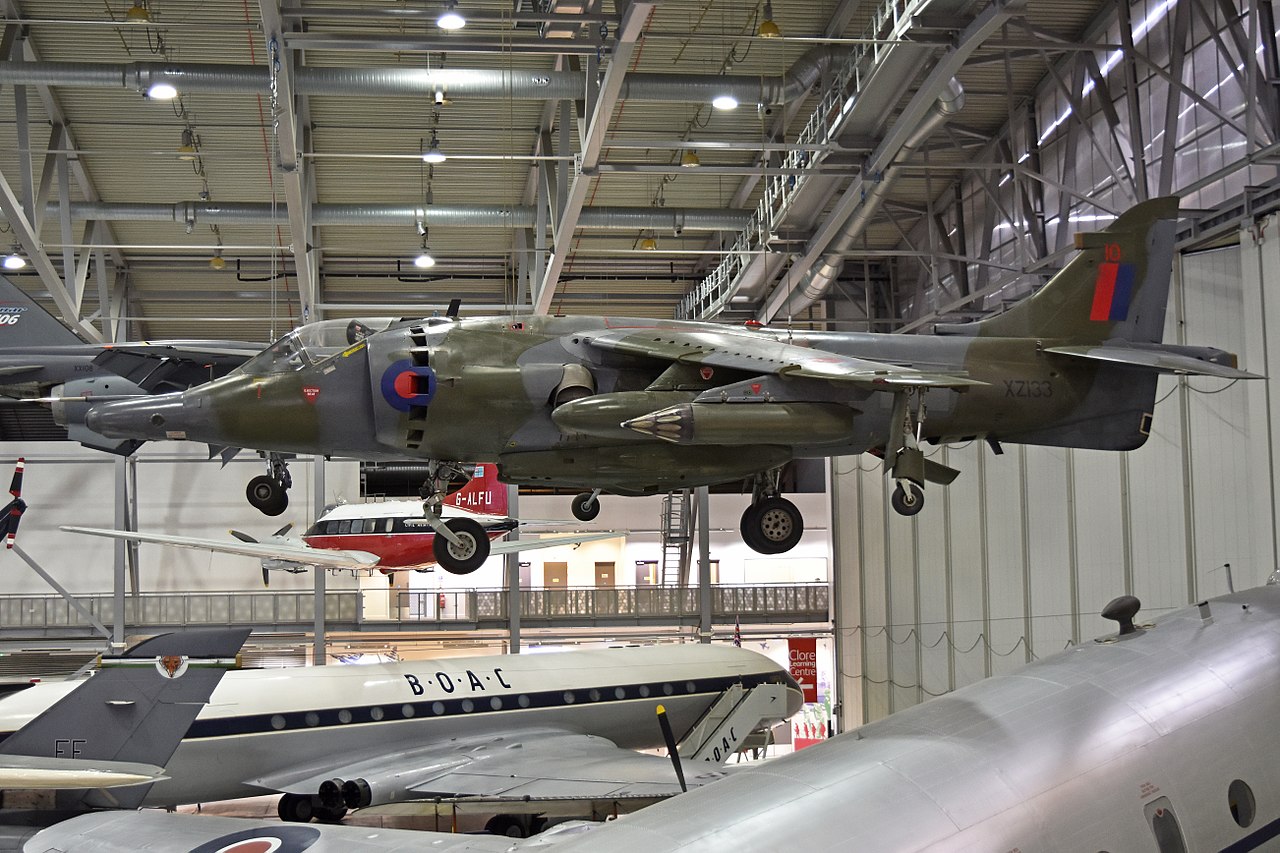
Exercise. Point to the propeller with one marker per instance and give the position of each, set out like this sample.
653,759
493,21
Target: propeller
245,537
671,746
12,512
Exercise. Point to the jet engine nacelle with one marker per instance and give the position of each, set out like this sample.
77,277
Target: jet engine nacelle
73,400
365,792
576,382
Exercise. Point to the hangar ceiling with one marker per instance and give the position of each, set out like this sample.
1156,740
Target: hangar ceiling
293,152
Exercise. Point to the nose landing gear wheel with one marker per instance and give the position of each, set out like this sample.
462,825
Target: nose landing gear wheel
467,556
772,526
267,495
907,501
585,507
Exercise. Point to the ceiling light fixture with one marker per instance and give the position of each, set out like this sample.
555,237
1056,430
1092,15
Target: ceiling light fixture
689,159
649,244
162,91
433,153
424,259
14,260
768,29
187,149
138,14
217,263
724,102
451,18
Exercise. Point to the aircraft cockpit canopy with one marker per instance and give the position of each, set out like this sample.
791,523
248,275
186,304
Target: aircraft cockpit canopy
311,344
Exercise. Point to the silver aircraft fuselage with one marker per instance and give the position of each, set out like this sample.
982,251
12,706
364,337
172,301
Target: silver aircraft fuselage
1170,730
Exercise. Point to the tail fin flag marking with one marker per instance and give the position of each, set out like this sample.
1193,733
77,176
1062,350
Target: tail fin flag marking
1112,291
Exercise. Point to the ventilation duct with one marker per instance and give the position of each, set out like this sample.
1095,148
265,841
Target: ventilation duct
459,83
815,282
475,216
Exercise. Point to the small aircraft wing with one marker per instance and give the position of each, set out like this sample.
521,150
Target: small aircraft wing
760,354
507,546
1160,360
27,772
271,550
541,764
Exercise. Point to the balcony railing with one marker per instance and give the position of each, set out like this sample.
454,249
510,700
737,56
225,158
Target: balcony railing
420,610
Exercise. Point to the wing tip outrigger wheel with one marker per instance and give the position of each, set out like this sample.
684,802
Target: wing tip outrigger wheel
586,506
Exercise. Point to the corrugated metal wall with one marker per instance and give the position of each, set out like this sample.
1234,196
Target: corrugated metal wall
1016,558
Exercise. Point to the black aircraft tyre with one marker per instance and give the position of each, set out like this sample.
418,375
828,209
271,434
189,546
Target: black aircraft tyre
464,559
330,814
585,507
295,808
907,502
266,495
772,526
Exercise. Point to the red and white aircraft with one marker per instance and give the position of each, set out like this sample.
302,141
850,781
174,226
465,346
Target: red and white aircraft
389,536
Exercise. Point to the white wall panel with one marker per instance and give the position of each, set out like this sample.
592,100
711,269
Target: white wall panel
1005,560
1051,569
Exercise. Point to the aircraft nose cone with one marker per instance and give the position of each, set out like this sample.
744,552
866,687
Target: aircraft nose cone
152,418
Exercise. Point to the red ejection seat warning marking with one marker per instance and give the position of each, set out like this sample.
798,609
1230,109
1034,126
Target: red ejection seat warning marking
1112,290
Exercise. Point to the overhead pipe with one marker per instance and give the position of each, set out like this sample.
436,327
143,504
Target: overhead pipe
473,215
817,280
458,83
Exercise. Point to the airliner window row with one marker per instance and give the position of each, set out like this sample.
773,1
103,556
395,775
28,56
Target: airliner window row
323,718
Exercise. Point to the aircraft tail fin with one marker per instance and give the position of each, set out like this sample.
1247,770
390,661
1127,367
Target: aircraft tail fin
482,493
24,323
1116,288
136,708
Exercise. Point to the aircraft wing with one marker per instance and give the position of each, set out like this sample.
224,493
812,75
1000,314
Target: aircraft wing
174,365
761,354
270,550
1158,359
541,764
38,772
507,546
131,831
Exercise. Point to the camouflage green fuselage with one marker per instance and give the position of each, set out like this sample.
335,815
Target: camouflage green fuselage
495,390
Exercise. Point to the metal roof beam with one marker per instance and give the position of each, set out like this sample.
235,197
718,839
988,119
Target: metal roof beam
289,147
53,109
30,242
633,21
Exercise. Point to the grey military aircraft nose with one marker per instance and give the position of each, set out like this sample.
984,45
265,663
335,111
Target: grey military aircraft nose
153,418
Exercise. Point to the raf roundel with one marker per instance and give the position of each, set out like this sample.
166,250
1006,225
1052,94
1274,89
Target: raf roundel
405,384
283,839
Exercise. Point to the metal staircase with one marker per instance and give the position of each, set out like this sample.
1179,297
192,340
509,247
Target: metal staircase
727,723
677,537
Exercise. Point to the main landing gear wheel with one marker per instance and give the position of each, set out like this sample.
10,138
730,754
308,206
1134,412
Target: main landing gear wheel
907,499
772,526
586,506
330,814
467,556
267,495
296,808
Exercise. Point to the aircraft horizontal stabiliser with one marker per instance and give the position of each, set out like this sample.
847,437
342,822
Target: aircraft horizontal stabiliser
637,407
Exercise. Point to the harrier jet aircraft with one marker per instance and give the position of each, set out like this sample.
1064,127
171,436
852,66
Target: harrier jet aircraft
1158,738
638,407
